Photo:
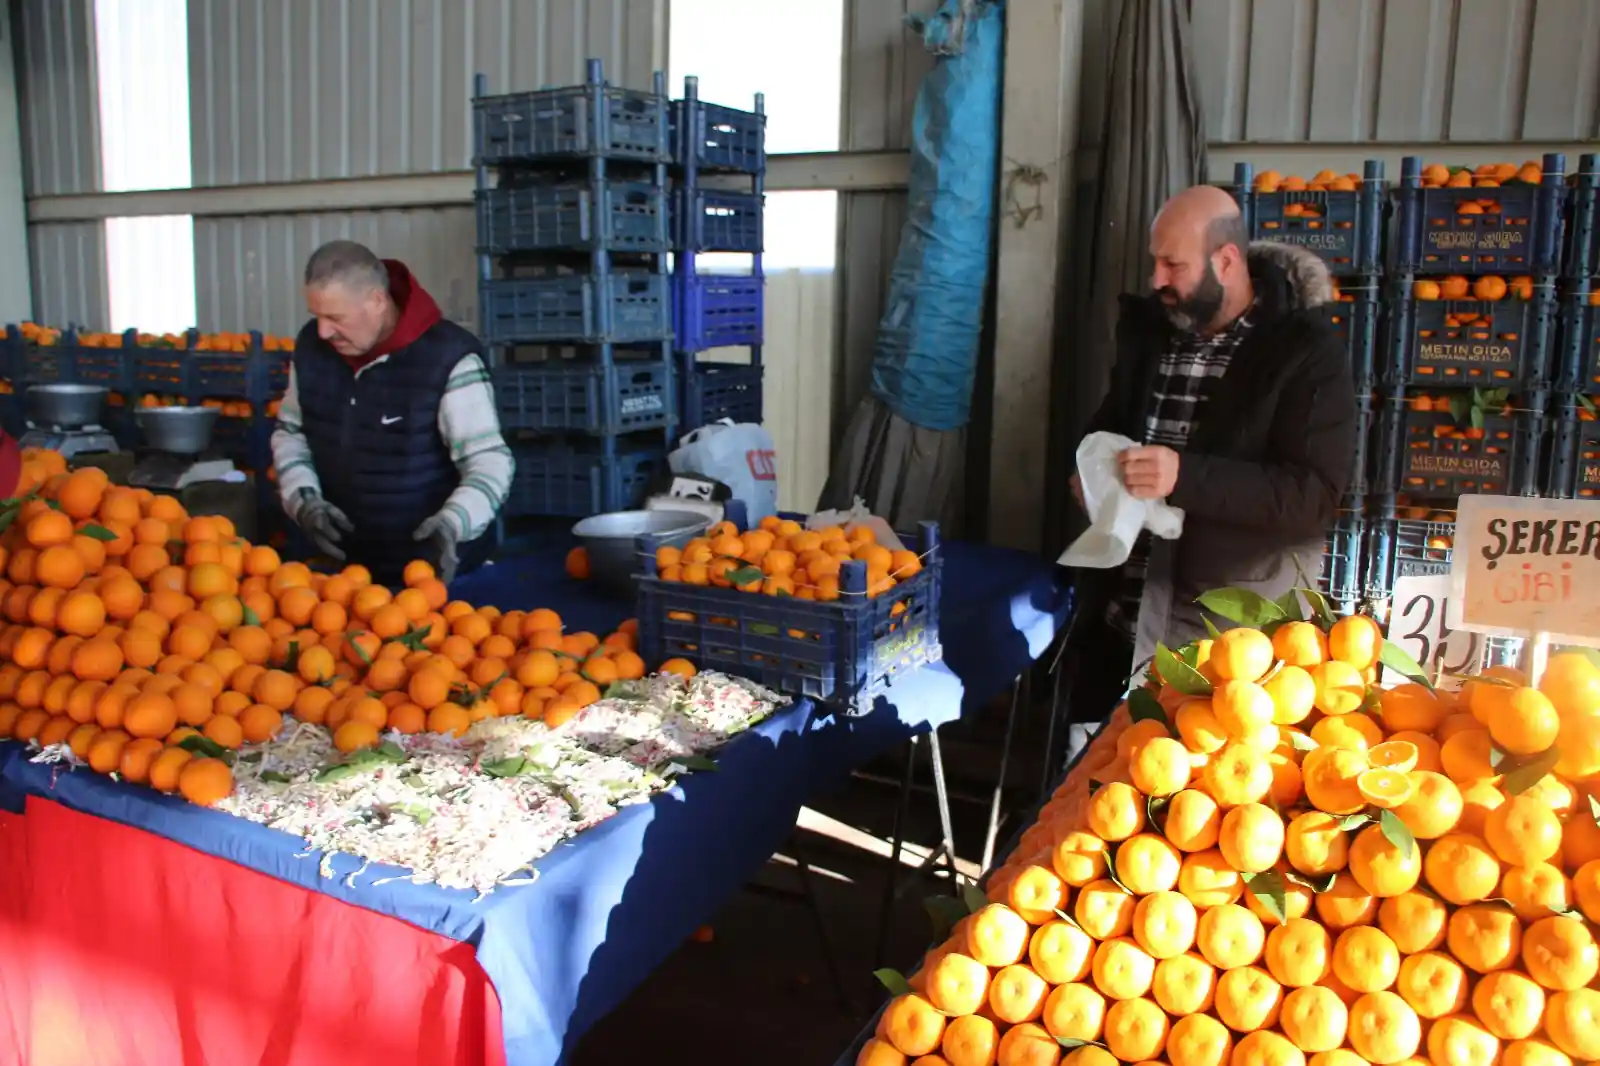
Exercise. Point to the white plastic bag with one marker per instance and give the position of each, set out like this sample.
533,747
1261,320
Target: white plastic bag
858,515
1115,516
740,456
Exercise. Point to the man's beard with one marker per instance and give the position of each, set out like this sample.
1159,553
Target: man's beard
1199,309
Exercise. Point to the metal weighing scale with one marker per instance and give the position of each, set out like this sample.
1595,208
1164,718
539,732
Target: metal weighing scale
66,419
177,453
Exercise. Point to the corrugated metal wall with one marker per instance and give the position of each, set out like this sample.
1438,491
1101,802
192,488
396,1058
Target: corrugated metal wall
883,65
288,90
61,154
1355,71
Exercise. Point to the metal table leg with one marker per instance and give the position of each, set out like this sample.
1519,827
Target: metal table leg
892,872
830,957
1000,783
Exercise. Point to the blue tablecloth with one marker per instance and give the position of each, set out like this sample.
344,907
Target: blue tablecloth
612,905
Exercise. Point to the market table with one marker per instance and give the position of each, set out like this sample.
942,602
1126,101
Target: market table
193,906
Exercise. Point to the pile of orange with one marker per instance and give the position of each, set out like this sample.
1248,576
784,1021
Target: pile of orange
1485,176
48,336
1488,287
1321,181
781,558
130,626
1268,861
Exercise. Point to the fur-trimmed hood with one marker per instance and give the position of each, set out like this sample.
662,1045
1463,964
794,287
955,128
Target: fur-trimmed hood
1309,284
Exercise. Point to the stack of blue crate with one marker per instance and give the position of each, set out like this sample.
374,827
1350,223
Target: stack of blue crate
1468,367
1574,471
720,159
575,302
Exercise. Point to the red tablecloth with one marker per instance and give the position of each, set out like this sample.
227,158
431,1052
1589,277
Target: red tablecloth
120,948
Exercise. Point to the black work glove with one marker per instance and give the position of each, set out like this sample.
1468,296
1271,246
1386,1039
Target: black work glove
324,523
440,531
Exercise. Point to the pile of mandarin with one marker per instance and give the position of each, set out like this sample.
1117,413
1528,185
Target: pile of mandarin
781,558
1269,861
130,627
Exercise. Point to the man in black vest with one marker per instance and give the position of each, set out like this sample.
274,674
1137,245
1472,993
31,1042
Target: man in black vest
1236,387
388,446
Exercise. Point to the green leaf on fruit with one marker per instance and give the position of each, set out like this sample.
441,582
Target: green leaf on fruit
944,912
1143,706
1527,771
1396,832
1268,887
894,981
1242,607
1179,674
1399,660
974,897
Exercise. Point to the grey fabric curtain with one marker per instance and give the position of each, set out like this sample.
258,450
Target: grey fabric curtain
1152,144
905,473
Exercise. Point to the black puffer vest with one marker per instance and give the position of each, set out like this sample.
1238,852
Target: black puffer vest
375,440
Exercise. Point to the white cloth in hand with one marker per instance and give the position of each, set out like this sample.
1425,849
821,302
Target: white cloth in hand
1115,517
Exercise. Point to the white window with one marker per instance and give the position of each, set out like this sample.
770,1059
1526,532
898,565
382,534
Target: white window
794,53
142,63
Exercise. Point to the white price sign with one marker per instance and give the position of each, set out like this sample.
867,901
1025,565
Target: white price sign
1417,624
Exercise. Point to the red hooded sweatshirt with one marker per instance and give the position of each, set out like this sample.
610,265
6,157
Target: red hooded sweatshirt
418,314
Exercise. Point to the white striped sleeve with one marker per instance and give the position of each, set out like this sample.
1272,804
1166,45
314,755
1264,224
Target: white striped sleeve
291,452
470,427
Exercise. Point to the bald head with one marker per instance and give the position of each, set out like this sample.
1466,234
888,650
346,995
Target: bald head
1198,243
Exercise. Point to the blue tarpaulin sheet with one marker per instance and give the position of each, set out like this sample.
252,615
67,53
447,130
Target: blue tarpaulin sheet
927,349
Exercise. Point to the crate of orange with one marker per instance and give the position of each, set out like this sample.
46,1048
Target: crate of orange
1578,338
1575,453
829,613
220,366
1500,218
1406,539
1337,216
1473,441
1487,332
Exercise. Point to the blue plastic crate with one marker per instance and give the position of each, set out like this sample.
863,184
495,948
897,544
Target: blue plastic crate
580,121
1498,344
1340,580
717,138
585,394
1578,339
630,306
1343,227
110,368
1574,472
1355,317
1406,542
1583,224
629,216
845,652
714,391
715,221
1419,462
561,479
194,375
717,310
1516,229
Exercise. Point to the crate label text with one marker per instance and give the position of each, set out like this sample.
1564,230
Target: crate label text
1316,240
1478,466
1473,238
1447,352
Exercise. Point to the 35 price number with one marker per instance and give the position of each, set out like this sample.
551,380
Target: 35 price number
1417,624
